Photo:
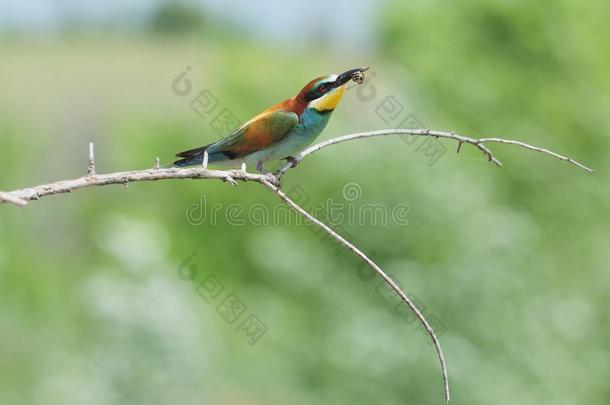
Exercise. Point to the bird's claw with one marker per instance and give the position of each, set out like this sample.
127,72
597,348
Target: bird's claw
273,179
259,167
292,160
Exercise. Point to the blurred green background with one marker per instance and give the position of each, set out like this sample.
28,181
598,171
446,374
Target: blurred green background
103,294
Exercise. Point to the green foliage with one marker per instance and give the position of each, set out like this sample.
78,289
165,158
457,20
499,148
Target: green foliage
512,262
175,17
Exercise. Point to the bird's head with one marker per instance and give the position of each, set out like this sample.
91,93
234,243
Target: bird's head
324,93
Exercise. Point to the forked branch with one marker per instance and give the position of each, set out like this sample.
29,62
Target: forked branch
477,143
272,182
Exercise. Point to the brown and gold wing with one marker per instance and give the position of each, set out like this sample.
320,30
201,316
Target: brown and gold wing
261,132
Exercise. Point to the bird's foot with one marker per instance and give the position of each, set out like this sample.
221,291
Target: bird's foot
272,178
292,160
259,167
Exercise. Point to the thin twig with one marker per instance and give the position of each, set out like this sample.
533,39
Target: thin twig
387,279
537,149
478,143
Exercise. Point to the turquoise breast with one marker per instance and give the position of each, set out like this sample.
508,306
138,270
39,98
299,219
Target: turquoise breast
311,123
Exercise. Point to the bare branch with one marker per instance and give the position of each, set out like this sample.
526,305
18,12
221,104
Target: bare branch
478,143
67,186
18,197
22,196
10,198
387,279
537,149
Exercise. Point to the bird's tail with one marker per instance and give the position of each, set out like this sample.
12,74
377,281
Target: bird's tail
189,157
185,162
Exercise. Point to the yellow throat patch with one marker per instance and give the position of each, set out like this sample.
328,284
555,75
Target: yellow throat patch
329,101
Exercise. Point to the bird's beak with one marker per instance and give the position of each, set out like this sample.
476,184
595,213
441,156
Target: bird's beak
349,75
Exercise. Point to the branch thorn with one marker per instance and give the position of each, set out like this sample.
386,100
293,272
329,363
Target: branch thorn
204,164
91,165
231,181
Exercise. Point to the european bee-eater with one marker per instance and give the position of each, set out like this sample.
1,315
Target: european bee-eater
281,131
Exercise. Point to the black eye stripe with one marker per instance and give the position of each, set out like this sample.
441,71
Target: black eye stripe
319,90
324,87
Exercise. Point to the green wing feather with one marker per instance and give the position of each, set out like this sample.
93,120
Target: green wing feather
259,133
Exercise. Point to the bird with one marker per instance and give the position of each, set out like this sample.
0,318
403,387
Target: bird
281,131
